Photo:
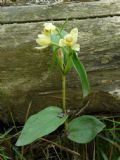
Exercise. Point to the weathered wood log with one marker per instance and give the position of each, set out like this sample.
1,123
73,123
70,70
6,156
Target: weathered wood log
71,11
41,2
26,74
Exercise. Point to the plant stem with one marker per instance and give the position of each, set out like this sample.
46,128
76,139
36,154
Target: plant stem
64,92
61,147
64,97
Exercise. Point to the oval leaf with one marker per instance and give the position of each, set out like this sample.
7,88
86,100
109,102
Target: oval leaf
41,124
82,74
83,129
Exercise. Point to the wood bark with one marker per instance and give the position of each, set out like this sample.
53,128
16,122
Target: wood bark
28,76
35,13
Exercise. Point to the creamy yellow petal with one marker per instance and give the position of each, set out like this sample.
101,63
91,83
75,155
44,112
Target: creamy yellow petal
76,47
43,40
40,35
68,40
61,43
49,27
47,24
43,47
74,33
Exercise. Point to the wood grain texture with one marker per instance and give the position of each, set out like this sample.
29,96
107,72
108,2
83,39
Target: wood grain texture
33,13
28,76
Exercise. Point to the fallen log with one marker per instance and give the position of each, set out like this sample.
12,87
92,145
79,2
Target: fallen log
27,75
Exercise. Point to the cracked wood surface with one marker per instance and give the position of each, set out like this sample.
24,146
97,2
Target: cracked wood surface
27,75
33,13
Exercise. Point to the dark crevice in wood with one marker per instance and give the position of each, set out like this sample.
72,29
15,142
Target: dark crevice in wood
103,69
62,19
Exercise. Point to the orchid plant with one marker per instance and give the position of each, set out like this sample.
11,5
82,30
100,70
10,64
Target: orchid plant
65,52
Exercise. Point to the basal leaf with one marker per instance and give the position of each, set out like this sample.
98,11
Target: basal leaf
82,74
41,124
83,129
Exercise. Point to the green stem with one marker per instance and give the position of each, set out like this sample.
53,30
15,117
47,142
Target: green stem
64,92
64,97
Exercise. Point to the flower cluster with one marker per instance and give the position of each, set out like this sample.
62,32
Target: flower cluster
68,40
44,39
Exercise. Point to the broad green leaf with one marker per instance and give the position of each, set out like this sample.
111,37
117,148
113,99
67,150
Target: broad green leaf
118,158
82,74
83,129
41,124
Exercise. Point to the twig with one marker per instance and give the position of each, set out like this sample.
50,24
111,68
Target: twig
61,147
113,143
28,110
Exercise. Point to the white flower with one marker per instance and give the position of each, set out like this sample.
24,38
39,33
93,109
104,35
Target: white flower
48,28
71,40
43,40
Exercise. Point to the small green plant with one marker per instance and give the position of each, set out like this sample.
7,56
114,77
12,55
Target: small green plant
3,155
81,129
